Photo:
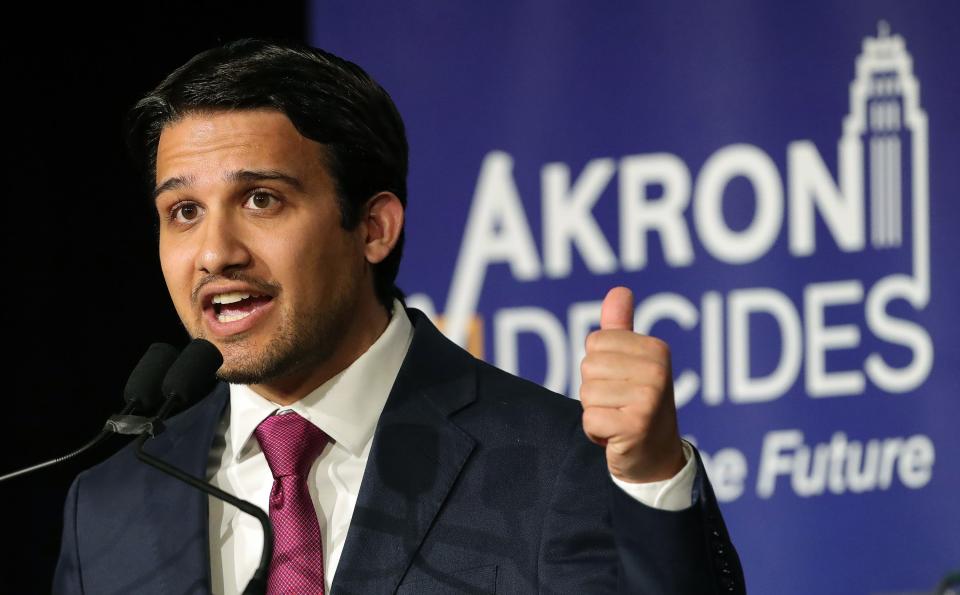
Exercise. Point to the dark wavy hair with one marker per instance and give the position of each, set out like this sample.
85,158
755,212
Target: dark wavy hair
328,99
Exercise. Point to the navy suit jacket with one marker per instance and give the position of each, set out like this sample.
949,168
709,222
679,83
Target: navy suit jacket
477,482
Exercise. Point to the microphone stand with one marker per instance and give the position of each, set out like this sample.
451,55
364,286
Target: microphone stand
258,583
139,394
115,425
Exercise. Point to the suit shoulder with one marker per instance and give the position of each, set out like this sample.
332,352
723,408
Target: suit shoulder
537,408
492,378
499,395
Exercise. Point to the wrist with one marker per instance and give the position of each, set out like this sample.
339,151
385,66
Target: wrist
665,466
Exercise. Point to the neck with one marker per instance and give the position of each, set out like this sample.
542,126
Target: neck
366,325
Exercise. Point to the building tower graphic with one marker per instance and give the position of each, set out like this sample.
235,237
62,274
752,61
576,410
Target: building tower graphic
885,139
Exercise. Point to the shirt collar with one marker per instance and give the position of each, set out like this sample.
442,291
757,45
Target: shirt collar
347,406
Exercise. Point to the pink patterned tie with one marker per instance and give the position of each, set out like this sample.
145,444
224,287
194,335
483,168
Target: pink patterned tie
291,444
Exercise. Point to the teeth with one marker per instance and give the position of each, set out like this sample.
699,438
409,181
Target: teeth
223,318
232,297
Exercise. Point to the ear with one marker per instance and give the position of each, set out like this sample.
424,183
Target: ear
383,223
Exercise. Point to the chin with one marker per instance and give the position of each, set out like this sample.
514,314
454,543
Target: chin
240,373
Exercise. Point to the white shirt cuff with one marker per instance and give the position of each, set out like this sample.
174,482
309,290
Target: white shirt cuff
668,494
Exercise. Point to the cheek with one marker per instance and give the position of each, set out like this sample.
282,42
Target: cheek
177,270
309,265
294,249
295,265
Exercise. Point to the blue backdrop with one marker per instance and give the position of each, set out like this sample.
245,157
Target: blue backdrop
776,181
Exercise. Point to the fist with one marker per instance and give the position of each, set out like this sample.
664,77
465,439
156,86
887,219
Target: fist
627,396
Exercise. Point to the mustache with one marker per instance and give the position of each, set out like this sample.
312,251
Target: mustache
261,285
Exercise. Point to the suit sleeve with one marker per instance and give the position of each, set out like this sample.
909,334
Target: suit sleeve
686,551
66,578
597,539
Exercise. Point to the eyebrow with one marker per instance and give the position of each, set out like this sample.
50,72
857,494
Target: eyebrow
172,184
242,175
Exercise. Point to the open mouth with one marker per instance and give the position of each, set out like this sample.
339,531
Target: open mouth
234,306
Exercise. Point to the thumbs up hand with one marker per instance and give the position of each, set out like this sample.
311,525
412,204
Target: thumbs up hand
627,396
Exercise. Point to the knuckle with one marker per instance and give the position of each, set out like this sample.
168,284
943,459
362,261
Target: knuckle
587,393
586,367
658,347
592,365
591,419
593,340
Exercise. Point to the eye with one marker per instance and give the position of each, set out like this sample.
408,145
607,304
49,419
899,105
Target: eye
261,200
185,212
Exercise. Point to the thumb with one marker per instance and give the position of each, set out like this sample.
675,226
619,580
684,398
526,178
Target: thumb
616,313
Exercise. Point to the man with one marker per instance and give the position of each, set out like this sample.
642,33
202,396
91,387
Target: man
389,459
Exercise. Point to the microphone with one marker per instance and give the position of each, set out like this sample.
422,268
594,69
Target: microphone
191,376
142,392
142,386
138,397
189,379
144,382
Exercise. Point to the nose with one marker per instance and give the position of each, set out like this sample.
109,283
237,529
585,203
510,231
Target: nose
222,247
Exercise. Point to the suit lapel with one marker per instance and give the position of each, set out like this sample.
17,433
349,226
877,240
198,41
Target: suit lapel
416,456
178,512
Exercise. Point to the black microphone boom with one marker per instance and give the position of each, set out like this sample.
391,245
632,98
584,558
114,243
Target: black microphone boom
137,394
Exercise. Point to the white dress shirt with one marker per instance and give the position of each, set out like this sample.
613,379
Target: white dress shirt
347,408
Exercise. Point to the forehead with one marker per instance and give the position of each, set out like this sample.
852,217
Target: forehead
233,139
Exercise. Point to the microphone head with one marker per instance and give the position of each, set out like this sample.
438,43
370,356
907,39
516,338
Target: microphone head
143,386
194,373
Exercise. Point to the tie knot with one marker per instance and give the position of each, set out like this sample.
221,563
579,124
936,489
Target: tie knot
290,443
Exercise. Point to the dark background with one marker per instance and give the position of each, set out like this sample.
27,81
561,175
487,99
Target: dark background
83,296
